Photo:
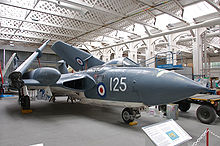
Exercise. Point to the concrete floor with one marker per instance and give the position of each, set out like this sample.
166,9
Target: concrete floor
61,123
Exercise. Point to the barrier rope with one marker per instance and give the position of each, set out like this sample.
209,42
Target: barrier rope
200,138
214,134
203,135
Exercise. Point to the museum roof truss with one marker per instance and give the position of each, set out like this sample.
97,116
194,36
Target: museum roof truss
80,22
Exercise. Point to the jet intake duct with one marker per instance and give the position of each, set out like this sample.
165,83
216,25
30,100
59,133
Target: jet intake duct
83,83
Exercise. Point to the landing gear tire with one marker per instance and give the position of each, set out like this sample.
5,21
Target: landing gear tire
127,115
25,102
206,114
184,106
163,108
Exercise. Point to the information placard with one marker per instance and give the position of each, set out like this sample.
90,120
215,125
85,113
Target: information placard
167,133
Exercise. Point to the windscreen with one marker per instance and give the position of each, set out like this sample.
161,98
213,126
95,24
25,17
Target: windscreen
128,62
122,62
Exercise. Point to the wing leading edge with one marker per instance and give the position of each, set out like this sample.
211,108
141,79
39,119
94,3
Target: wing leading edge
76,82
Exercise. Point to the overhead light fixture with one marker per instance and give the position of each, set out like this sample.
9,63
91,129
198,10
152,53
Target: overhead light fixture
69,5
34,19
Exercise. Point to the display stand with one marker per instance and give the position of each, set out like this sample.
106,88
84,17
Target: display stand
167,133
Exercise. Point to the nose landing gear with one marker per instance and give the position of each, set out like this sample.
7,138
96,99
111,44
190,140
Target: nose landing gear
129,114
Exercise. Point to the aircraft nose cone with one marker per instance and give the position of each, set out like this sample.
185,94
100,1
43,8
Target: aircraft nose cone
184,84
177,86
192,86
168,87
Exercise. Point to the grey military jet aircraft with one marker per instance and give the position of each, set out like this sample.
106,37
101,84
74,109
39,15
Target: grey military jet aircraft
116,80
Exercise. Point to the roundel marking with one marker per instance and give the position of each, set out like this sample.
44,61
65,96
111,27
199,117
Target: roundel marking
79,61
101,89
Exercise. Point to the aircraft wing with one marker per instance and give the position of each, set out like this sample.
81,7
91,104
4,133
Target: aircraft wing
16,76
31,82
75,81
76,58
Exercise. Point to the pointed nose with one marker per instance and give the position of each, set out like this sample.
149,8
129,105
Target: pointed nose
185,85
165,87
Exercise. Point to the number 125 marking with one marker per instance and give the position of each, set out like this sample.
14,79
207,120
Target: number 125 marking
118,85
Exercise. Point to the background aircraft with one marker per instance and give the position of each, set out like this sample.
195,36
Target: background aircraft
117,80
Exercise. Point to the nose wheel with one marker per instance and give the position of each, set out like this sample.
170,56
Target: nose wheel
129,114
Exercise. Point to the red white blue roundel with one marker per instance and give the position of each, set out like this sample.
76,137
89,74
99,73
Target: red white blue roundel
101,89
79,61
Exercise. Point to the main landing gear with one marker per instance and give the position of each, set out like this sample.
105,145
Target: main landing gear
129,114
52,98
24,100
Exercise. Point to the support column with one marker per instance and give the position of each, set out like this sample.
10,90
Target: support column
106,56
169,48
205,55
132,52
150,53
173,48
197,53
118,53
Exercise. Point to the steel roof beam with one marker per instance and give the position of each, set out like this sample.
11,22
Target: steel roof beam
213,5
147,31
8,39
34,37
42,23
52,13
28,36
67,17
86,47
164,11
172,14
194,26
165,38
192,33
208,35
27,16
179,4
90,7
52,25
140,9
87,40
38,31
100,9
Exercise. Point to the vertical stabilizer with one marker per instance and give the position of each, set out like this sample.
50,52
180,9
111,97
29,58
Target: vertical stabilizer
76,58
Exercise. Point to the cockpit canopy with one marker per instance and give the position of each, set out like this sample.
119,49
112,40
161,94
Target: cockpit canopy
122,62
